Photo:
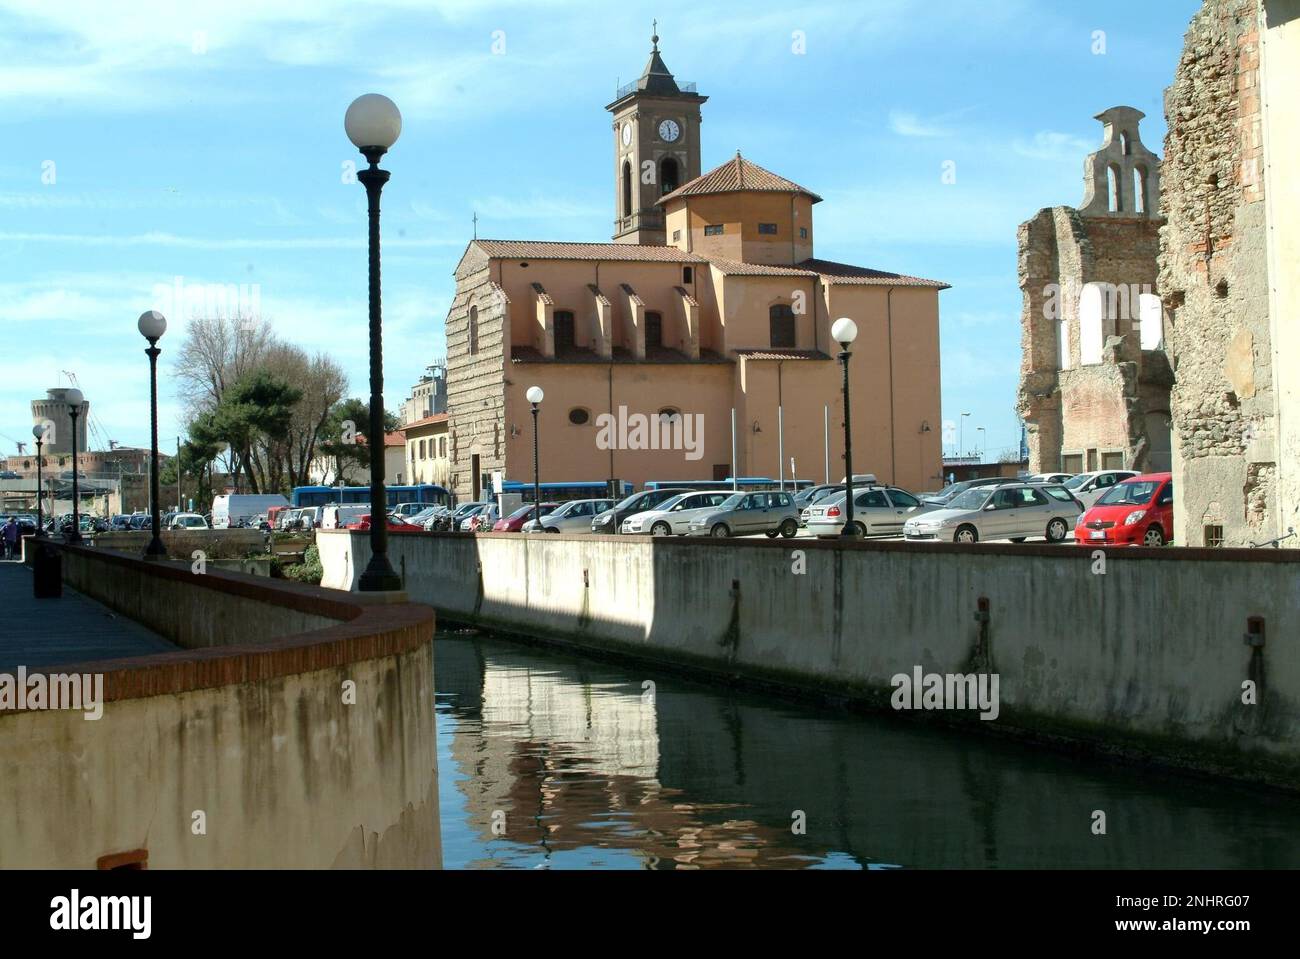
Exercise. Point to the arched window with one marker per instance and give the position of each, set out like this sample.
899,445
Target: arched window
564,336
627,188
1150,321
579,416
1139,189
654,331
669,175
781,325
1125,147
1113,184
473,330
1091,309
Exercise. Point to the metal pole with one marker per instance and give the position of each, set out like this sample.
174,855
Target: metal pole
780,444
155,549
379,575
849,532
76,490
734,484
40,501
180,501
537,480
826,441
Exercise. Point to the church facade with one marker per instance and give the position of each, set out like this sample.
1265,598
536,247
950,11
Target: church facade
709,299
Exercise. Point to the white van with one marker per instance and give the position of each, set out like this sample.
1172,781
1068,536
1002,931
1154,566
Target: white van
230,510
337,517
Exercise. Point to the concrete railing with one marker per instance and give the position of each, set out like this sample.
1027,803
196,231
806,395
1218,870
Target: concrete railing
293,728
1144,654
181,543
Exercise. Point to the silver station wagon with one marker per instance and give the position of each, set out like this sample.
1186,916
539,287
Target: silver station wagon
673,516
1015,512
878,511
742,514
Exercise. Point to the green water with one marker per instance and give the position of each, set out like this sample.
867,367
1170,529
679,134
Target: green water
548,759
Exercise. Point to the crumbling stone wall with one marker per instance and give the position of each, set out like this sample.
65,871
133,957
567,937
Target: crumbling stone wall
1214,281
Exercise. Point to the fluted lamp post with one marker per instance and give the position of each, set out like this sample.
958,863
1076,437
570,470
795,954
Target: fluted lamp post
38,433
535,396
844,331
152,326
373,124
74,400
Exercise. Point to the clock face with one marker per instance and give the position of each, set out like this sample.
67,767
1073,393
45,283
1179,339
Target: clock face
669,130
627,134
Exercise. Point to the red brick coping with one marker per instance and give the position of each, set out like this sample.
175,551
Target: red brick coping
369,627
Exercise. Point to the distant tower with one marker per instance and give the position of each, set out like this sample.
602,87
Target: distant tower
656,148
54,409
1123,177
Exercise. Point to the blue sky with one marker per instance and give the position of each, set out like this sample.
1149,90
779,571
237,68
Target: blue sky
148,141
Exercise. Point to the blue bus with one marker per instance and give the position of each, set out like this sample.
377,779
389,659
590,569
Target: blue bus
743,483
563,492
428,493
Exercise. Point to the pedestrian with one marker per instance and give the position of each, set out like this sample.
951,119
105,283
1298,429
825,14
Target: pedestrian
11,538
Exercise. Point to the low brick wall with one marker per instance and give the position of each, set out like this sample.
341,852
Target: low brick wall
181,544
296,724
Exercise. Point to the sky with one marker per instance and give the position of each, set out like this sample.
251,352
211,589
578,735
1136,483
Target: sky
150,148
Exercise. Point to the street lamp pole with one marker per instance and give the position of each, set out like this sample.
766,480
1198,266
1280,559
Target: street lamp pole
373,124
535,396
844,332
74,400
961,432
38,432
979,452
152,325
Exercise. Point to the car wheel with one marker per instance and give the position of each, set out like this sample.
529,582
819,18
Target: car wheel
859,530
552,529
661,529
720,531
789,529
771,534
1155,536
966,534
1057,530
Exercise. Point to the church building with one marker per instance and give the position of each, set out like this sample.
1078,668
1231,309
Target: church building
709,299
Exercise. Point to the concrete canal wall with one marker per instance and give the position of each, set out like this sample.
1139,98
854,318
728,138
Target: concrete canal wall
1147,658
241,749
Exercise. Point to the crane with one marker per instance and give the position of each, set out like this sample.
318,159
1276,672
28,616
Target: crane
92,421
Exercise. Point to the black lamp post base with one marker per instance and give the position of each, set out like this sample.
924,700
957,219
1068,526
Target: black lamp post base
379,577
155,550
849,532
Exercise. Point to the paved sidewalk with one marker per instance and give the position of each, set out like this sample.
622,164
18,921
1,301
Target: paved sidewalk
73,629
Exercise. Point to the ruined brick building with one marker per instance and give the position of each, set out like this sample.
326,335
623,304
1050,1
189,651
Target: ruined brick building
1094,386
1230,272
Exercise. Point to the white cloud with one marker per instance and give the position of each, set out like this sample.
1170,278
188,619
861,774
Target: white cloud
1051,146
910,125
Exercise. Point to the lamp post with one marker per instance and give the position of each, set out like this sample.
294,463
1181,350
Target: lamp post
38,432
844,332
74,400
983,438
373,124
535,395
961,432
152,325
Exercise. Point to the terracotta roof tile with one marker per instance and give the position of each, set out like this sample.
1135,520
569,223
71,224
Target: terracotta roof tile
736,268
547,250
735,176
832,272
782,354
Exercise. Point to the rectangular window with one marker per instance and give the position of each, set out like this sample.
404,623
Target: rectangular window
1214,536
688,274
1072,463
713,229
1112,461
677,235
768,228
803,233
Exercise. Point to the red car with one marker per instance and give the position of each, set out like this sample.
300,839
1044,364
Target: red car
395,525
516,520
1136,512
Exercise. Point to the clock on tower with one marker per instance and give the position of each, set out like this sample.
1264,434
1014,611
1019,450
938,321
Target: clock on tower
656,148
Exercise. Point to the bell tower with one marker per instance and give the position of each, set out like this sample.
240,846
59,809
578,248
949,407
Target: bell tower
656,128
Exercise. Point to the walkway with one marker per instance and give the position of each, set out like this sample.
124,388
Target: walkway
73,629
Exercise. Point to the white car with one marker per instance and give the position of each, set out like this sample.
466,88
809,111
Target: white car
573,517
673,516
1088,487
878,511
188,521
1016,512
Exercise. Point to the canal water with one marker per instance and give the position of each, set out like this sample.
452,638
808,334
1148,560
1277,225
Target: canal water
548,759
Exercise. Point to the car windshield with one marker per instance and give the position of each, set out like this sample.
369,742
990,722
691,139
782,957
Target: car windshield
732,501
971,498
1056,491
192,521
1132,493
672,501
1075,482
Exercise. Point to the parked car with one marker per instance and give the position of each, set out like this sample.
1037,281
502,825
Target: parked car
119,523
1014,511
188,521
1136,512
514,523
877,511
812,494
439,519
572,517
951,492
395,524
609,520
1088,487
142,521
341,517
742,514
673,516
482,520
236,510
1049,478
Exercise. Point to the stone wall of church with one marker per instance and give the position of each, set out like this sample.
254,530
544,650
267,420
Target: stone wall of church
476,380
1214,282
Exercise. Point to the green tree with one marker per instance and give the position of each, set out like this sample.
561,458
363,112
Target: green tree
343,436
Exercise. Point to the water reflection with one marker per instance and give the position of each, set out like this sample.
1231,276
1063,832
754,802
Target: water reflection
550,760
